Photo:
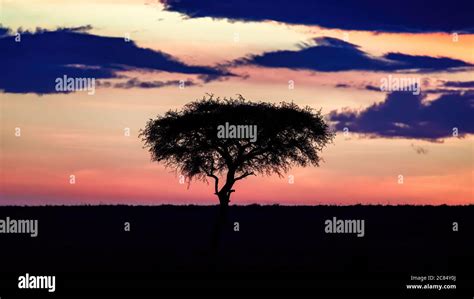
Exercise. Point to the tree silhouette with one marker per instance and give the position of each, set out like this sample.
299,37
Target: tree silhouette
189,140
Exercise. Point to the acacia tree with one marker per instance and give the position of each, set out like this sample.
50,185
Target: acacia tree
188,140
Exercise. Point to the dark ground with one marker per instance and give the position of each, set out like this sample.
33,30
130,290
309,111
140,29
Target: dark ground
278,251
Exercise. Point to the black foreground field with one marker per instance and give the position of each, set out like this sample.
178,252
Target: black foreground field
278,250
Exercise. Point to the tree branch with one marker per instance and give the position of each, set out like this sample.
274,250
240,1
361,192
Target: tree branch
216,182
246,174
212,175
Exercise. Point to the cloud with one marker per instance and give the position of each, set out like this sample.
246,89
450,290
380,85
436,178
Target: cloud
399,16
4,31
451,87
459,84
32,65
136,83
419,149
332,55
372,88
404,115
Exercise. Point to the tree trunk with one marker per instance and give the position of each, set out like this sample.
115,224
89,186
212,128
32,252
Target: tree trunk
224,198
226,190
221,221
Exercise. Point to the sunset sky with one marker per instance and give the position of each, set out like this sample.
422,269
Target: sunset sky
320,55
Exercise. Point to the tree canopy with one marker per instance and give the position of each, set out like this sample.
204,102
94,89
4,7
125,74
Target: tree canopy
189,141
